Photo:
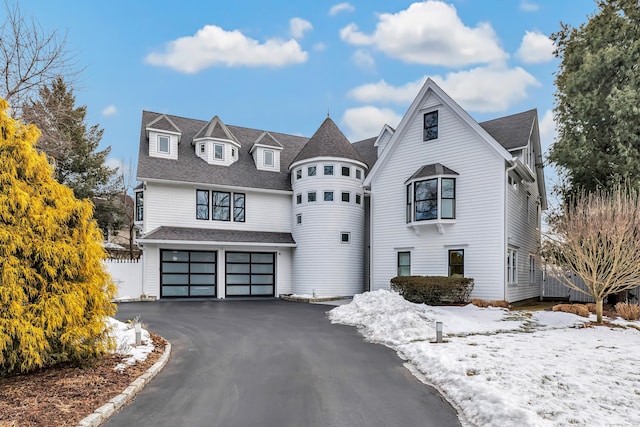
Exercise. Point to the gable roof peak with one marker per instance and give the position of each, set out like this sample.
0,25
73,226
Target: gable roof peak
215,128
163,122
328,141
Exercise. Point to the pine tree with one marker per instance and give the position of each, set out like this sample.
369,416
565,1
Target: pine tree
72,147
54,290
597,98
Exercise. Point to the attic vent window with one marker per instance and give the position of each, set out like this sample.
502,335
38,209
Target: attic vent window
431,125
163,144
268,158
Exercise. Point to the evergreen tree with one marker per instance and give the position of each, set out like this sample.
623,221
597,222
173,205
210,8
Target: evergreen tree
72,147
54,290
597,99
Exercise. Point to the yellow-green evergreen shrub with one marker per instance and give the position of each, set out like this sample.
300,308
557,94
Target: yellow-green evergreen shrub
54,290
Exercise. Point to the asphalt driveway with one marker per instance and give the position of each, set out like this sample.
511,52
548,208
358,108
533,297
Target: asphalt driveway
273,364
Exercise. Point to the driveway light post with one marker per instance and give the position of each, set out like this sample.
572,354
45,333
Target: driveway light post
438,331
138,327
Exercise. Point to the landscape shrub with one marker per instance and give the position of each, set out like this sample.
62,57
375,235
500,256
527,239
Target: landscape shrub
628,311
433,290
484,303
579,309
591,307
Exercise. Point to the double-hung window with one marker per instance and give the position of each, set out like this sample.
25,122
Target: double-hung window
431,199
218,151
430,125
532,269
268,158
512,266
404,263
456,262
163,144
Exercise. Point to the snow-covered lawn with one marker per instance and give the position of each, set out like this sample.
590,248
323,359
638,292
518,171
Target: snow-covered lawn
510,368
125,338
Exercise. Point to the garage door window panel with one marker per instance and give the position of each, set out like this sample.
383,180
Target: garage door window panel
188,274
256,271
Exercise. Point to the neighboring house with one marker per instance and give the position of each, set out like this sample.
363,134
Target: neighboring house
227,211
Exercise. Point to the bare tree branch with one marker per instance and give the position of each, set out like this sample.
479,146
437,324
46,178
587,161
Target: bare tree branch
597,238
30,57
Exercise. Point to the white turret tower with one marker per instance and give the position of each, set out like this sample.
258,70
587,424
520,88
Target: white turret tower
328,215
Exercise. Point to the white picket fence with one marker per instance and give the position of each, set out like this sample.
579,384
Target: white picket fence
554,288
127,275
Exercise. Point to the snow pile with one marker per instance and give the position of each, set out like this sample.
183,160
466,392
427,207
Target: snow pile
124,335
506,368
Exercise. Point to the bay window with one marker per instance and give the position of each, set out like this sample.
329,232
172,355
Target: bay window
431,199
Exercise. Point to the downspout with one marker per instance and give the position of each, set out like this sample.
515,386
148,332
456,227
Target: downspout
506,225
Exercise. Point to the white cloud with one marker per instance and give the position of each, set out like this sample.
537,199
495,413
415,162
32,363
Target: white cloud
482,89
319,47
535,48
430,33
341,7
109,110
528,6
366,122
212,46
548,131
363,59
299,26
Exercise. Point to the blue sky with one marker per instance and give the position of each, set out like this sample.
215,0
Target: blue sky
281,66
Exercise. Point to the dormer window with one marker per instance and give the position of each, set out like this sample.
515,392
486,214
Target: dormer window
163,144
202,148
431,125
218,152
268,158
233,153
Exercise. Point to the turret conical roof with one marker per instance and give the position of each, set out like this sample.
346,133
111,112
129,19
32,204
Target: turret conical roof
328,141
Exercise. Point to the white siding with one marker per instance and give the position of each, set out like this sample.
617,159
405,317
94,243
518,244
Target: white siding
322,263
383,140
175,206
173,146
523,233
479,224
258,158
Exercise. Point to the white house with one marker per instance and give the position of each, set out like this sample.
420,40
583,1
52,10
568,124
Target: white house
226,211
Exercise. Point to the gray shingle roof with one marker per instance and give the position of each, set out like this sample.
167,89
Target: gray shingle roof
267,139
367,150
190,168
431,170
215,235
511,131
328,141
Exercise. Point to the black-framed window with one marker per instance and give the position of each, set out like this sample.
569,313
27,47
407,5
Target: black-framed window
298,199
311,171
345,237
328,196
426,199
328,170
358,174
431,125
202,149
456,262
404,263
358,199
346,196
163,144
139,206
311,196
238,207
346,171
299,219
221,206
298,173
431,199
202,204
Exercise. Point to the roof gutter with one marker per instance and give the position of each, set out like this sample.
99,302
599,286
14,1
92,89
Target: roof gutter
211,243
